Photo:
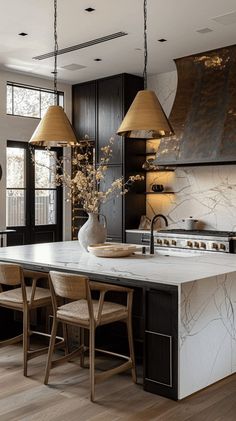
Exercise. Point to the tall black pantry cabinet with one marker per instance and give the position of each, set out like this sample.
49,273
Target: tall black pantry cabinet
98,109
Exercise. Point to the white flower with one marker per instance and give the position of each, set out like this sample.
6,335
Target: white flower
85,183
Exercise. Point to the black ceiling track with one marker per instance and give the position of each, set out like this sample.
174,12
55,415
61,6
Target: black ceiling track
82,45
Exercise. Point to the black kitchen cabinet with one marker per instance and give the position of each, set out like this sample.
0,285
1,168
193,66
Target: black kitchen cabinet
113,208
98,109
161,342
84,110
109,96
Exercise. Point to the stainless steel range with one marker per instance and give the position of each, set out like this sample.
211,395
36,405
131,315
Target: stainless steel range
196,240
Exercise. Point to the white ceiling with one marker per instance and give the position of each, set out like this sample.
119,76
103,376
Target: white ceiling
175,20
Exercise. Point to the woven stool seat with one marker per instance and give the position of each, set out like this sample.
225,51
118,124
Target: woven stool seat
78,311
15,295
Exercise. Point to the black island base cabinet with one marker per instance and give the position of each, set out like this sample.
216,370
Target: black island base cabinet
161,341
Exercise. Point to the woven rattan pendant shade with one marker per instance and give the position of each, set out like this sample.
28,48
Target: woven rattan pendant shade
54,129
145,118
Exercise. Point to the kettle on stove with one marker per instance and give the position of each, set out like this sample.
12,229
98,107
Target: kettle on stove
190,223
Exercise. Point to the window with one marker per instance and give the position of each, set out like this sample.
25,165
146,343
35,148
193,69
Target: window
29,101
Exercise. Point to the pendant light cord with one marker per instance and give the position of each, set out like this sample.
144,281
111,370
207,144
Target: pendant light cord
55,52
145,43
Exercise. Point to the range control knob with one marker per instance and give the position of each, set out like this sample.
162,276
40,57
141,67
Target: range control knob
202,245
173,242
214,246
159,241
222,247
189,244
166,242
196,245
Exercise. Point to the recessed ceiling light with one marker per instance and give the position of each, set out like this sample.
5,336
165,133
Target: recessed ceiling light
97,59
204,30
162,40
23,34
89,9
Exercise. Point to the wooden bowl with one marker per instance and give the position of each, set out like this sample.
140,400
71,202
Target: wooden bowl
112,249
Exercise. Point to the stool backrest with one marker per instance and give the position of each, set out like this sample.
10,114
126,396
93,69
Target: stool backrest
72,287
10,274
66,285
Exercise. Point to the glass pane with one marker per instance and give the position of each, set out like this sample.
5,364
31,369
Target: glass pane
45,207
15,167
9,99
61,100
15,208
47,99
45,169
26,102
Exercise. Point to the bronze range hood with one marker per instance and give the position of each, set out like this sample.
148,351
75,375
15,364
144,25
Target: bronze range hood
204,111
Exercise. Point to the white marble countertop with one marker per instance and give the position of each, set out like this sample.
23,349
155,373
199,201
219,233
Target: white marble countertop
169,270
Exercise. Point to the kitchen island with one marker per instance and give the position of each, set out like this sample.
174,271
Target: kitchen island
186,311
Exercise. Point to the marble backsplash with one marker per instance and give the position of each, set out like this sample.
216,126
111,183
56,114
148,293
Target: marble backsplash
207,193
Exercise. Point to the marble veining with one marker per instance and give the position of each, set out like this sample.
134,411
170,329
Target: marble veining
165,86
206,193
207,337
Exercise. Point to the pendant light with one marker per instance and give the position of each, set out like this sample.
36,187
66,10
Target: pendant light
145,118
54,129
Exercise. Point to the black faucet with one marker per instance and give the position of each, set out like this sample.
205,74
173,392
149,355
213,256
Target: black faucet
154,219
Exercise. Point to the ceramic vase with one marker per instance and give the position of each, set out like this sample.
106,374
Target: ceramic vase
92,232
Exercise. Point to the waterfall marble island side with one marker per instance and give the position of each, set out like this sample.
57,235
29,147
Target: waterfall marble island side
188,306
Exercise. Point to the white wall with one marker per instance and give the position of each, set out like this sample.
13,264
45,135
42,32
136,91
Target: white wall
21,129
206,193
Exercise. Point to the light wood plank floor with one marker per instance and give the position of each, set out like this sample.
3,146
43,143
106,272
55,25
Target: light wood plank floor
67,397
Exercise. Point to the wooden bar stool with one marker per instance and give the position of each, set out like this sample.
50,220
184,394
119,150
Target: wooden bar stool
86,313
24,299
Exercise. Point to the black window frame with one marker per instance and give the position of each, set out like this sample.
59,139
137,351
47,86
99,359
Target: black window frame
60,94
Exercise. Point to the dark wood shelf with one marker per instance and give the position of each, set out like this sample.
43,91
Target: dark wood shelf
162,170
159,192
146,154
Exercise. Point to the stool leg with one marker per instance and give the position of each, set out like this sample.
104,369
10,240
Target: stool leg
25,339
50,350
82,343
92,361
131,348
65,336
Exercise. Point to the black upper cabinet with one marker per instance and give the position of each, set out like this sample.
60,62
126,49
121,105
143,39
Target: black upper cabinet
110,109
112,209
84,110
98,109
